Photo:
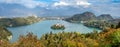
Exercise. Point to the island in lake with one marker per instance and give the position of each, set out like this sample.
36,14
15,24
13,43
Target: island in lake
58,27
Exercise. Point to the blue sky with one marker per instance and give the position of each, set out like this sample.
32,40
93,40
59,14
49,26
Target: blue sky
58,7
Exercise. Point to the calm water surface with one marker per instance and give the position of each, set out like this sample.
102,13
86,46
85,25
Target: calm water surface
43,27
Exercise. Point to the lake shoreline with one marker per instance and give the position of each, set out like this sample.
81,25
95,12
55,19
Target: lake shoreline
43,27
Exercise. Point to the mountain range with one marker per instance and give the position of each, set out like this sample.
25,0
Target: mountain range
88,16
105,17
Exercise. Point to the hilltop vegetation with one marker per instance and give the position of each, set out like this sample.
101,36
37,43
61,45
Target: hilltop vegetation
18,21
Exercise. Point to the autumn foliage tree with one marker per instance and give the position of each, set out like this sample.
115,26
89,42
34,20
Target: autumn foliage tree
29,40
107,38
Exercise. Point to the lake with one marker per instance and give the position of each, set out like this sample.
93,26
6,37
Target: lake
43,27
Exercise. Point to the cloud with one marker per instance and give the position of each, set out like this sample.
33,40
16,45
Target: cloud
83,3
69,6
26,3
61,3
106,8
41,3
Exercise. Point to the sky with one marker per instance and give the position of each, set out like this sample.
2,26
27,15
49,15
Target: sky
58,7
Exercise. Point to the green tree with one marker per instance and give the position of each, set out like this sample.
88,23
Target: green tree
118,26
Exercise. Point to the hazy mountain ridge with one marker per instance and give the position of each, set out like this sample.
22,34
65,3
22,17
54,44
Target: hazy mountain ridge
89,16
82,17
105,17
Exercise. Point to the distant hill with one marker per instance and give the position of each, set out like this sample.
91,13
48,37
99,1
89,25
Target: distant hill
18,21
115,21
105,17
82,17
